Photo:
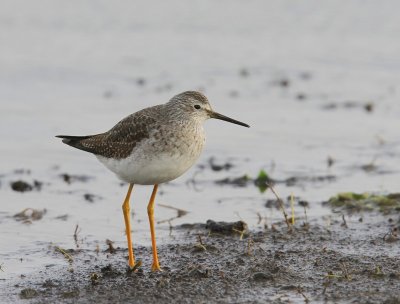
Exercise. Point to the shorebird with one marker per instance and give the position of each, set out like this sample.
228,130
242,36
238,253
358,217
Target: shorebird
152,146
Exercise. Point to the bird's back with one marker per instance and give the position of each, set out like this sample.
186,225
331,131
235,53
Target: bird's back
120,140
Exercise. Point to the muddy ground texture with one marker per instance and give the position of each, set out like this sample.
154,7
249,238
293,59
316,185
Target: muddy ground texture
350,256
347,259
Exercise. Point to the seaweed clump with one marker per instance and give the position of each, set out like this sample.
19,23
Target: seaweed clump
366,201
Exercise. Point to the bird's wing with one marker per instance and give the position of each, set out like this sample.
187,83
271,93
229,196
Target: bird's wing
121,139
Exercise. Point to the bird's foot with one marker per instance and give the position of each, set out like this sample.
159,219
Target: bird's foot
133,267
156,267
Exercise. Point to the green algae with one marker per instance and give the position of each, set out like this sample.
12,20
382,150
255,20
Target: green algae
366,201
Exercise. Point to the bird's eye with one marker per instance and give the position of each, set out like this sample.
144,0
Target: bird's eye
197,107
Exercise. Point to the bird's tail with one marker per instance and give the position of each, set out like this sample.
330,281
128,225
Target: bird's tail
75,141
70,140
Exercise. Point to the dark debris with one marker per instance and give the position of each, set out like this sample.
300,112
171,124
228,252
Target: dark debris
219,167
225,227
71,178
22,186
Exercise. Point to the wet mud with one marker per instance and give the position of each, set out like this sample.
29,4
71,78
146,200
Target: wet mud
306,262
346,256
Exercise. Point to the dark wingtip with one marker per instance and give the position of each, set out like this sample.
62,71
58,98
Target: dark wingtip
75,141
65,138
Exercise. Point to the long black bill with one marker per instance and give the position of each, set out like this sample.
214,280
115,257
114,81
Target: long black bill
228,119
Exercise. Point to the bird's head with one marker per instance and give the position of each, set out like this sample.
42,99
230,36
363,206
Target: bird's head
196,106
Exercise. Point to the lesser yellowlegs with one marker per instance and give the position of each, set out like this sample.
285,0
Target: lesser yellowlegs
152,146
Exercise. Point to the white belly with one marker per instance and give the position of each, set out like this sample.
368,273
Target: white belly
148,165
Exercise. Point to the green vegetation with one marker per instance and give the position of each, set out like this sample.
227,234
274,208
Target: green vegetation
262,181
366,201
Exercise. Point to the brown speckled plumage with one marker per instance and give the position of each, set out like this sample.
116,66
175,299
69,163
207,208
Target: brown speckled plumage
121,139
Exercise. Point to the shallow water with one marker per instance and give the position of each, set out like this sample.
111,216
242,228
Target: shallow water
299,74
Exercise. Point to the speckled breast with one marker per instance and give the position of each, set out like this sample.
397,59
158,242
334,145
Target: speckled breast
164,156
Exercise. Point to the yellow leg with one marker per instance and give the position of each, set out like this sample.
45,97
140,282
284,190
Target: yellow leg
150,212
126,210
